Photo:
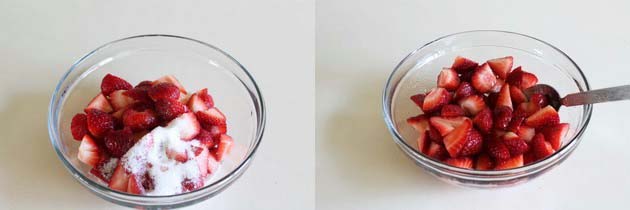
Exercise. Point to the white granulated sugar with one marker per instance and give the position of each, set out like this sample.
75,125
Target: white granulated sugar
108,168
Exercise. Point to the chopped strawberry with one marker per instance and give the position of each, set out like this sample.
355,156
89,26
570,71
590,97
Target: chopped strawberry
171,79
483,120
139,120
544,117
464,90
457,139
445,125
423,142
555,133
521,79
483,79
187,125
119,100
448,79
418,99
437,151
118,142
105,168
463,162
112,83
498,150
140,94
462,65
203,94
205,138
450,110
526,109
528,158
474,143
89,152
120,178
168,110
502,117
472,104
225,145
189,185
202,160
514,162
517,95
164,90
213,164
539,99
515,144
497,86
99,122
526,133
200,101
516,122
435,99
178,155
211,117
540,147
134,186
100,102
145,83
434,135
484,163
217,130
501,66
504,98
78,126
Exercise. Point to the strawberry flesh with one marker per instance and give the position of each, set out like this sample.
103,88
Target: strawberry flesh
112,83
78,126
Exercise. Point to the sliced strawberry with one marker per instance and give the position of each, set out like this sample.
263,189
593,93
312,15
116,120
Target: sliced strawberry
497,87
504,98
225,145
418,99
462,65
528,158
134,186
164,90
501,66
515,144
527,109
526,133
120,178
119,100
514,162
434,135
140,94
175,154
464,90
435,99
474,143
517,95
217,130
171,79
457,139
189,185
197,103
423,142
105,168
521,79
99,122
213,164
450,110
206,97
502,117
140,120
100,102
483,79
118,142
112,83
484,163
539,99
516,122
448,79
421,124
445,125
555,133
437,151
145,83
463,162
187,125
205,138
540,147
544,117
78,126
202,160
497,150
168,110
211,117
483,120
89,152
472,104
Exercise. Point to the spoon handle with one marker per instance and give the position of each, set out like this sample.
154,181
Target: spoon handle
597,96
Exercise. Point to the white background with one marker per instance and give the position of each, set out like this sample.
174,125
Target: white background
274,39
359,43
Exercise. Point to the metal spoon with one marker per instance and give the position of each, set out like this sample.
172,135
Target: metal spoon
581,98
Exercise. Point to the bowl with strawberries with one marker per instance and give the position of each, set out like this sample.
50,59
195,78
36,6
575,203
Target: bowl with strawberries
156,121
460,107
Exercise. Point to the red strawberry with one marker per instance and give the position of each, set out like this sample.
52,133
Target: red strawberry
134,186
145,83
466,76
540,147
203,94
544,117
445,125
99,122
497,87
526,109
555,133
457,139
140,94
462,64
104,169
526,133
483,120
171,79
118,142
514,162
521,79
169,109
448,79
437,151
502,117
504,98
178,155
164,90
484,163
472,104
78,126
434,135
516,122
225,145
120,178
89,152
464,90
501,66
211,117
195,104
463,162
515,144
418,99
112,83
201,156
528,158
100,102
189,185
423,142
539,99
187,125
205,138
450,110
483,79
139,120
517,95
473,145
435,99
498,150
119,100
213,164
217,130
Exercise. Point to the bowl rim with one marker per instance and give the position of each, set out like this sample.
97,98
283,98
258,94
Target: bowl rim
466,172
53,116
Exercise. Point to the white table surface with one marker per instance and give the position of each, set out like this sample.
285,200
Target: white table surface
359,43
274,39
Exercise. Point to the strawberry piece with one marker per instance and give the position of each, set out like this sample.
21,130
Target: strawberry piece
171,79
516,122
168,110
112,83
211,117
483,120
99,122
78,126
145,83
461,65
213,164
140,94
224,147
445,125
120,178
118,142
521,79
435,99
517,95
501,66
450,110
99,102
504,98
418,99
217,130
544,117
89,152
540,147
434,135
497,87
187,125
527,109
484,163
483,79
457,139
203,94
178,155
472,104
139,120
201,157
555,133
105,168
423,142
205,138
463,162
539,99
189,185
464,90
134,185
474,143
164,90
515,144
498,150
514,162
448,79
437,151
526,133
119,100
502,117
528,158
195,104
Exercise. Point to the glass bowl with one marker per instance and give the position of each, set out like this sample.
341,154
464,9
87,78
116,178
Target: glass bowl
417,73
197,65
